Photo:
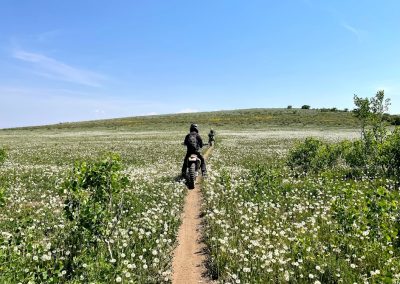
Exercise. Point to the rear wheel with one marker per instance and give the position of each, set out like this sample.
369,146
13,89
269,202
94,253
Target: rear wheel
192,175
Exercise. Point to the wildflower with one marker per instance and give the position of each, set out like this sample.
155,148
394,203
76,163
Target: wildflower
286,276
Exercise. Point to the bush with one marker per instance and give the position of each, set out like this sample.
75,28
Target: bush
354,154
395,120
289,107
305,107
389,154
326,157
313,155
301,157
93,205
3,155
2,198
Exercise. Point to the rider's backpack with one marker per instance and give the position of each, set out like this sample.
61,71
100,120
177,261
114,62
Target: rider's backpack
192,141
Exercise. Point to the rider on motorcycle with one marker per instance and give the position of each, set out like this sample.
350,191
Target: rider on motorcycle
194,148
211,137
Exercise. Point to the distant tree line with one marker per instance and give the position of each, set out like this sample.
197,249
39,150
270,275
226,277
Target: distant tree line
363,102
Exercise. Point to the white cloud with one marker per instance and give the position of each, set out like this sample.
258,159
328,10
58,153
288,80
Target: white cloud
54,69
358,33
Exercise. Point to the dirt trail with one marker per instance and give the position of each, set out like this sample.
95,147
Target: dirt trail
189,258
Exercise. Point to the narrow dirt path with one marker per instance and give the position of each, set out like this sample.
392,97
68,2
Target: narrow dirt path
188,265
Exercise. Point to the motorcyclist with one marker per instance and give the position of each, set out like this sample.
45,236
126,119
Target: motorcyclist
211,137
194,148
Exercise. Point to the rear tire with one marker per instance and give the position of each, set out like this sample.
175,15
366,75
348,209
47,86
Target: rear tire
192,175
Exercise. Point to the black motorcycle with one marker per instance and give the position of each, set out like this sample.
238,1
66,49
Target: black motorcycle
192,171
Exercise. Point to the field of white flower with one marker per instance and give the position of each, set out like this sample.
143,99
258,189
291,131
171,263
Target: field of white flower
33,226
266,225
263,224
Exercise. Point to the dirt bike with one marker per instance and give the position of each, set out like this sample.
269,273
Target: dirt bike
211,141
192,171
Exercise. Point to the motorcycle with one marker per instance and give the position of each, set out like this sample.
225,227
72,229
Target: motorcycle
192,171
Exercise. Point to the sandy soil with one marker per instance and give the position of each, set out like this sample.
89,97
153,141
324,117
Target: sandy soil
189,257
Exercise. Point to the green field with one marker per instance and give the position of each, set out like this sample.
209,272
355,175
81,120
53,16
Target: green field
235,119
264,224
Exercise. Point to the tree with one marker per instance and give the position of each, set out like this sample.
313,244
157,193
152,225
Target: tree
305,107
378,107
362,112
289,107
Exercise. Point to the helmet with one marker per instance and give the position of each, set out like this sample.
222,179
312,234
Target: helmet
194,127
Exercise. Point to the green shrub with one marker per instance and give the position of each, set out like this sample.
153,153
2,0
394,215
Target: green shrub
305,107
3,155
354,153
389,154
313,155
2,198
93,205
302,157
326,157
395,120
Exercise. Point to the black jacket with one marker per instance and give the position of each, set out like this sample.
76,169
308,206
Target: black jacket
199,141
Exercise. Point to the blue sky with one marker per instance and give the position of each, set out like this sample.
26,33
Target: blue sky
79,60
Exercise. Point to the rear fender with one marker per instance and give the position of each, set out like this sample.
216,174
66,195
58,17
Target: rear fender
193,158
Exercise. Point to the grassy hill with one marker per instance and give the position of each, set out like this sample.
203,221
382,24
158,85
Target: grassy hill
234,119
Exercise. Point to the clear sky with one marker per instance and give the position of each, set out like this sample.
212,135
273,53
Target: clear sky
79,60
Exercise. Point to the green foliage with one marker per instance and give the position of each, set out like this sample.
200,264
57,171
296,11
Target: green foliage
372,111
289,107
389,153
301,157
305,107
2,197
376,154
370,210
362,111
3,155
313,155
94,204
322,223
395,120
354,155
379,106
